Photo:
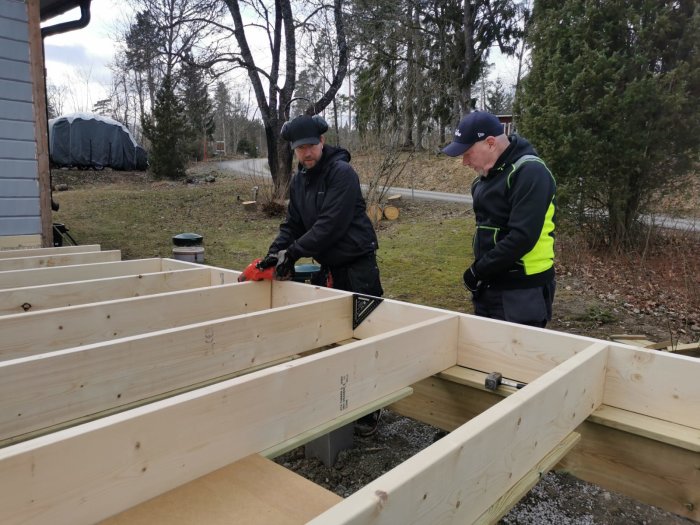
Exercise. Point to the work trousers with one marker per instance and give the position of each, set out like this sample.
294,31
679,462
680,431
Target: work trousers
528,306
359,276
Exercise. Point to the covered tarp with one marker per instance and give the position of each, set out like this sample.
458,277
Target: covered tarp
85,140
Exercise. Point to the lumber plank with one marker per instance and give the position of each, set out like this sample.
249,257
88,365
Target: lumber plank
251,491
43,297
467,471
608,458
523,486
390,315
516,351
95,470
645,469
32,252
13,242
218,275
35,333
656,384
334,424
656,429
36,393
50,261
80,272
290,292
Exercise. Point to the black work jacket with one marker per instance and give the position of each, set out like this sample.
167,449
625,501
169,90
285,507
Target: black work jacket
515,220
326,217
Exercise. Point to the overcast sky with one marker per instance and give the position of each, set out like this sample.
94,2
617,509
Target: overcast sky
79,59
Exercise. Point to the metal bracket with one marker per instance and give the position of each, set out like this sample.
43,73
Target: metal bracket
362,306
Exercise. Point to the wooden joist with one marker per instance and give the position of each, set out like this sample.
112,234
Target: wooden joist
43,297
51,261
116,400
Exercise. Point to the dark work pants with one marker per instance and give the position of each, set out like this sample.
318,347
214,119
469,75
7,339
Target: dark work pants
360,276
528,306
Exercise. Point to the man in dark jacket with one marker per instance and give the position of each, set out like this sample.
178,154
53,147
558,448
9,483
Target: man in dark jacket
326,217
514,200
327,220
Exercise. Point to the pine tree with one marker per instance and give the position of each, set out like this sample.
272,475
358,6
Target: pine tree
498,100
611,101
199,108
166,129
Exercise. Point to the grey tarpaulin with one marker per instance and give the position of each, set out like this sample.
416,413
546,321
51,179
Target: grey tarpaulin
93,141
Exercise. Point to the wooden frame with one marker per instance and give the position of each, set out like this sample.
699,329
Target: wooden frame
110,397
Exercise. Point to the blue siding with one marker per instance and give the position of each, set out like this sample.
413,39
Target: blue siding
16,91
14,10
19,188
17,130
18,169
20,209
20,225
19,206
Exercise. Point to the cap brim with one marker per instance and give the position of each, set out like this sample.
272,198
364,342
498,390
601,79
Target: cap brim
455,149
304,141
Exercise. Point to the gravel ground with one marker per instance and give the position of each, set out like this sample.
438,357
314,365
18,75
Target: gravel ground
558,498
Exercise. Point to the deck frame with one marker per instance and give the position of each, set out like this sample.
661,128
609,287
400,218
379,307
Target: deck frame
114,390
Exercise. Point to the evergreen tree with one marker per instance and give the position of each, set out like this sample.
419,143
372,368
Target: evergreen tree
199,108
611,101
166,129
498,100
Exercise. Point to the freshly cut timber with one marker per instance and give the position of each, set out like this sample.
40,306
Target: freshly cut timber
156,390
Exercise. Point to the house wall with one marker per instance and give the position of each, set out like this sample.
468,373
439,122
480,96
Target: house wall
25,215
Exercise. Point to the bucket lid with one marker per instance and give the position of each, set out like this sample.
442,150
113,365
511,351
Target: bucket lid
187,239
307,268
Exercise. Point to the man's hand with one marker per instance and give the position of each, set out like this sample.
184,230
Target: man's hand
471,281
284,271
269,261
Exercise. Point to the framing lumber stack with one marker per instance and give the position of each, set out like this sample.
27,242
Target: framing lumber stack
152,391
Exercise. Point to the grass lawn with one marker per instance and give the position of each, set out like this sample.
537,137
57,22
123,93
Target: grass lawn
422,254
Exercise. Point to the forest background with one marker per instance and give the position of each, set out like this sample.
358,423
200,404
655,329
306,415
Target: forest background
606,91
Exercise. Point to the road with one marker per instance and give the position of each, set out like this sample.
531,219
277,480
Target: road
259,168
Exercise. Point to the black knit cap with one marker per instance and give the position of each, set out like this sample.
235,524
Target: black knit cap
303,130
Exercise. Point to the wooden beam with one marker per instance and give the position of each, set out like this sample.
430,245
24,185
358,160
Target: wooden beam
330,426
81,272
517,352
290,292
36,393
251,491
391,315
645,458
34,333
92,471
33,252
38,75
657,384
50,261
647,470
43,297
12,242
523,486
458,478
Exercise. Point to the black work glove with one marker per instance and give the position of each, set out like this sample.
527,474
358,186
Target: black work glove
284,271
269,260
471,281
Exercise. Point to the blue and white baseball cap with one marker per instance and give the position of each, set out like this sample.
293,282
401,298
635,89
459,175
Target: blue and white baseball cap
471,129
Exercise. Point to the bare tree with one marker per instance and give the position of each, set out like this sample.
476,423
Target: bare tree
280,28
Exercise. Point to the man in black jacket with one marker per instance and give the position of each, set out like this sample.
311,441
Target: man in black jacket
326,217
514,200
327,220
